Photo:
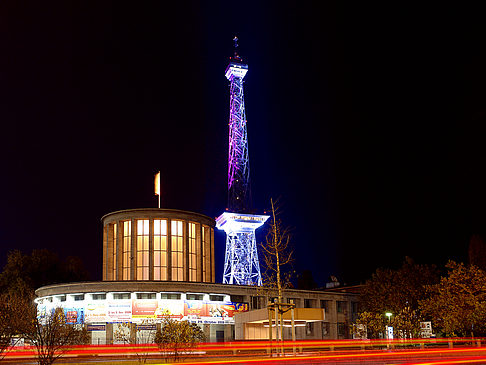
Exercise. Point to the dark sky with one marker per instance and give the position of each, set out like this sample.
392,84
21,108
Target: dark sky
368,121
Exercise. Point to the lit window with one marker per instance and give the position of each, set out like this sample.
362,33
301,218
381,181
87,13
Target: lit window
127,233
205,254
114,251
160,249
192,252
143,249
177,250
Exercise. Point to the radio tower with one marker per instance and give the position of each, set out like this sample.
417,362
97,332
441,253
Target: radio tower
241,264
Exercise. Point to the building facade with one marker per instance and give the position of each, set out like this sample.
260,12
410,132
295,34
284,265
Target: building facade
160,262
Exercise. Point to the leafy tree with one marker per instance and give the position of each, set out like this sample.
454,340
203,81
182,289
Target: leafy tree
176,337
457,304
393,290
399,292
51,335
373,322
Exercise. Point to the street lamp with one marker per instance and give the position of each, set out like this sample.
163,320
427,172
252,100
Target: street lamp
389,330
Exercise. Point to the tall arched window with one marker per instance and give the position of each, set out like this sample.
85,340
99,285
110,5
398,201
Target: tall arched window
177,250
142,249
160,249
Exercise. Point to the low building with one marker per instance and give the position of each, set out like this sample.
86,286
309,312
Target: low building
160,262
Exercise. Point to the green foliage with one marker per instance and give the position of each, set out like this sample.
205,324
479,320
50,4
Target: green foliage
177,337
457,304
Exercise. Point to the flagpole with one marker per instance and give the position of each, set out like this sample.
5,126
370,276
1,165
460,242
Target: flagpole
157,185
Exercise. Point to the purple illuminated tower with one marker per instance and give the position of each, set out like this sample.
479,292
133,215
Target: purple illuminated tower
241,264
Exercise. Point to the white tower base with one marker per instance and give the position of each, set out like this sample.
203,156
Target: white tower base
241,265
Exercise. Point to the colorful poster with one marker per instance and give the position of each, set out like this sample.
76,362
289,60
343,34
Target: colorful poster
74,315
195,309
95,312
144,308
119,311
172,308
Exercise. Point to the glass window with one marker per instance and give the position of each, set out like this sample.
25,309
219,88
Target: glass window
143,249
194,296
341,329
326,329
62,298
172,296
99,296
146,295
206,270
192,252
160,249
308,303
237,298
342,307
309,326
127,237
78,297
114,251
216,298
119,296
177,250
325,305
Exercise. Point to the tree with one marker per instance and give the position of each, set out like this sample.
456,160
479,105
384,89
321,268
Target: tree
13,310
393,290
51,335
399,292
457,304
22,273
176,337
276,253
142,333
374,323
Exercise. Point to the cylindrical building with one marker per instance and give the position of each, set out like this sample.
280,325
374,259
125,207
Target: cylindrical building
158,244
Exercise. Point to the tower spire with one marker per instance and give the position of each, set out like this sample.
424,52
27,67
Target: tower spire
241,265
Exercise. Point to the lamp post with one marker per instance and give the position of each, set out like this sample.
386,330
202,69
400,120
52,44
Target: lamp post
389,333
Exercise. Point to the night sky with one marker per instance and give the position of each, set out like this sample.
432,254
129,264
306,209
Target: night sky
369,122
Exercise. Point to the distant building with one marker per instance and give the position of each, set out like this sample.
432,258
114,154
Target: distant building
159,261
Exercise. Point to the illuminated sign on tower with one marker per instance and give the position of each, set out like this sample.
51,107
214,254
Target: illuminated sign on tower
241,265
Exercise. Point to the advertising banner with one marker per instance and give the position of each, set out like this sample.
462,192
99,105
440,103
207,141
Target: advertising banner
74,315
119,311
96,312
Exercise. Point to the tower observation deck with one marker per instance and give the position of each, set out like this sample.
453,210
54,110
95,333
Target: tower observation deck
241,265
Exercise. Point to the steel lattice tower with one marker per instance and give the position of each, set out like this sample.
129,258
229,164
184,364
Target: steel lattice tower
241,265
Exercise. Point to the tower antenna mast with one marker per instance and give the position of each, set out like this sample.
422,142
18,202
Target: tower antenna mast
241,265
